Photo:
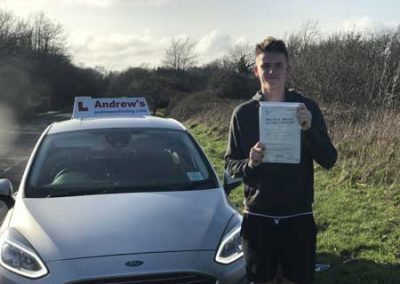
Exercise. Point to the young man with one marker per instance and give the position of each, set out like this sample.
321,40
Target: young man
278,228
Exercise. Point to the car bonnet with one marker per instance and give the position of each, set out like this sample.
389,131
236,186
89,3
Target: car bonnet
125,223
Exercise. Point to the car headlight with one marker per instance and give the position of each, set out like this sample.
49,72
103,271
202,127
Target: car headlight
18,256
230,248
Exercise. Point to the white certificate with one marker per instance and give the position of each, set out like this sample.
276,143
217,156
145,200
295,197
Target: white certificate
280,132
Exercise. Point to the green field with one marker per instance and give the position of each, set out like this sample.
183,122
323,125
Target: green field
358,222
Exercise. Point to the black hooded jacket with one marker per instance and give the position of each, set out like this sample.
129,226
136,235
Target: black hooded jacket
275,188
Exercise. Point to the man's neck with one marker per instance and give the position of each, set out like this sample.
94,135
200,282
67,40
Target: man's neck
274,95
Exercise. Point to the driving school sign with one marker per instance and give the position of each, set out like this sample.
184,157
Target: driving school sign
94,107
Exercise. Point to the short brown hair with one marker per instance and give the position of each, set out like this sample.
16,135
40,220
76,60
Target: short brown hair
271,44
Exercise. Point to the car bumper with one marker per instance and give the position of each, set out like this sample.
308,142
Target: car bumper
109,267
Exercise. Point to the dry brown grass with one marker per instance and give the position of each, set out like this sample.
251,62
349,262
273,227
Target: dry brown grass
206,109
368,141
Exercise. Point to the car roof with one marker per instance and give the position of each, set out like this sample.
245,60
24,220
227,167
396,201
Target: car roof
115,122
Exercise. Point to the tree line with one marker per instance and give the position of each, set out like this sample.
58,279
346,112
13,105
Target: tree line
351,68
36,73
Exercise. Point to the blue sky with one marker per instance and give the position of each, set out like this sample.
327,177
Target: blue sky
117,34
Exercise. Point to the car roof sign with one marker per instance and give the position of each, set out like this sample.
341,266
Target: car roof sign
86,107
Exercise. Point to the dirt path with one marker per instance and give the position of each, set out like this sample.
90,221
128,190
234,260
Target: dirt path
13,157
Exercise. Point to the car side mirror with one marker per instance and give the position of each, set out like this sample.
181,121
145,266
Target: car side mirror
230,182
6,192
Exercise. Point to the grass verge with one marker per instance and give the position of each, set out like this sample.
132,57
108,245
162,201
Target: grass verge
358,222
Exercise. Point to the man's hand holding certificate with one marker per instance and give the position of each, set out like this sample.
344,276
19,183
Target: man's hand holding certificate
304,116
256,155
280,125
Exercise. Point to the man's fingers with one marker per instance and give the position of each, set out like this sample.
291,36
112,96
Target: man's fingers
259,150
255,162
256,154
259,146
304,116
302,112
301,107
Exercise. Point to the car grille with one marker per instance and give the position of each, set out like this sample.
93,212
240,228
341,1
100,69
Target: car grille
177,278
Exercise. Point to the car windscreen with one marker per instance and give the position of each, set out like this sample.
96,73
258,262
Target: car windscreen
118,160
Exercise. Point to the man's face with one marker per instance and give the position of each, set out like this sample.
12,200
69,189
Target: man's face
271,68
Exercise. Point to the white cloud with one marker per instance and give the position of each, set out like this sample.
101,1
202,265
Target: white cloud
95,3
213,46
119,51
19,5
214,42
367,23
145,2
109,3
43,4
242,40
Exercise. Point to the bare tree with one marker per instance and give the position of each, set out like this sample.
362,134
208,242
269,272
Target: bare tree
240,58
6,23
180,55
47,37
308,35
7,35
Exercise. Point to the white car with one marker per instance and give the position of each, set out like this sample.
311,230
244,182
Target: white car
122,199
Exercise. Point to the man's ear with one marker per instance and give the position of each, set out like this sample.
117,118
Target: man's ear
255,71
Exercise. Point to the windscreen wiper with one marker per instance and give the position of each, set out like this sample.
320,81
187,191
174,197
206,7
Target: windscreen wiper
63,193
100,190
193,185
